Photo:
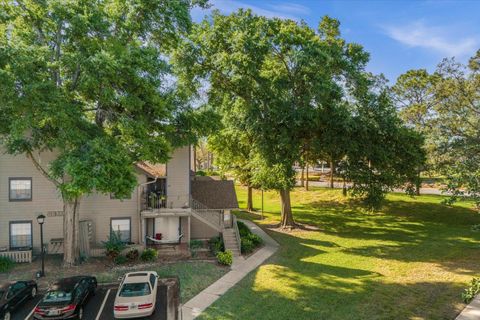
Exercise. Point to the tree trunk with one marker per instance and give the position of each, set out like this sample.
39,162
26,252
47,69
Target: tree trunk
287,217
71,246
332,169
344,188
249,199
306,182
418,183
302,178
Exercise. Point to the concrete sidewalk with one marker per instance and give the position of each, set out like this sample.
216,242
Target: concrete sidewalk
472,311
240,268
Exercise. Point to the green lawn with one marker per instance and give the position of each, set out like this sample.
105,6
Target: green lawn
411,260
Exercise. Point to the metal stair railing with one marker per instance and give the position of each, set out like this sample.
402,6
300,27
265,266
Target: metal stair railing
237,233
213,216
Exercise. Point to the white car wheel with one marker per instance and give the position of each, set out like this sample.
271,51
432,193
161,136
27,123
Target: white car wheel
33,293
7,316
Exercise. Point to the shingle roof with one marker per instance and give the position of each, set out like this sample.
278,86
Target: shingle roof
215,194
153,170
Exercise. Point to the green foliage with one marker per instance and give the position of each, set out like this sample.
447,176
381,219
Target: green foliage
194,246
149,255
255,239
132,255
216,245
92,82
114,245
243,229
200,173
249,240
268,91
383,153
476,227
225,258
471,291
246,246
6,264
120,259
445,106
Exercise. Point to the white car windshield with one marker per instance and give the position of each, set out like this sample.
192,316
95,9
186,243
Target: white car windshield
135,290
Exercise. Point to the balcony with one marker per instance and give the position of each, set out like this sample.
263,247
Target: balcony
152,201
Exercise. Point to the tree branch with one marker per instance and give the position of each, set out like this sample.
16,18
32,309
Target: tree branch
41,169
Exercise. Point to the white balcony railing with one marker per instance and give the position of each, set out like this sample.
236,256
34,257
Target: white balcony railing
18,256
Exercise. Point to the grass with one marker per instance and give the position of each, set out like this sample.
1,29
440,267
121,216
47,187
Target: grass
410,260
194,276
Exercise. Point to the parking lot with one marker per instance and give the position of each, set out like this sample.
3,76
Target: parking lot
100,306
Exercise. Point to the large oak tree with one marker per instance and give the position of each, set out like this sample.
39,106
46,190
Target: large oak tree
267,77
90,81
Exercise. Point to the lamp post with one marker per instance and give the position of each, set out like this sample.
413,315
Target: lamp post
262,204
41,220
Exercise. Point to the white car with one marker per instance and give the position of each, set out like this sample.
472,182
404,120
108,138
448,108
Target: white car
136,296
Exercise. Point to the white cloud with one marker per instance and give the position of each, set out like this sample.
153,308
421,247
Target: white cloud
440,39
285,10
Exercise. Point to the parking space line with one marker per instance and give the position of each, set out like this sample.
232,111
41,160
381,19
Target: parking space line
103,305
31,312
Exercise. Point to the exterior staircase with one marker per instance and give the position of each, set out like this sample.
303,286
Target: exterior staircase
215,219
211,217
230,241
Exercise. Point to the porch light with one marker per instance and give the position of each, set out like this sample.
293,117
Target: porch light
41,219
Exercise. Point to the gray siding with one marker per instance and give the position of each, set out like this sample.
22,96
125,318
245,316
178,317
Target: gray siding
200,230
178,179
45,198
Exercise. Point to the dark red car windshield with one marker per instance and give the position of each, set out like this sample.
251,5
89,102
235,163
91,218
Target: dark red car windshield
57,296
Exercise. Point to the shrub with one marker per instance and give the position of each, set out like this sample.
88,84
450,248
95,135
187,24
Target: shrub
120,259
132,255
476,227
249,240
194,245
216,245
113,246
471,291
6,264
200,173
247,245
149,255
225,258
256,240
243,229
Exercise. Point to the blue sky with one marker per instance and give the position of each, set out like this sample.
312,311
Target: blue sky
399,35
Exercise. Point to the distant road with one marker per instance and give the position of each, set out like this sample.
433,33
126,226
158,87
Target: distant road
339,185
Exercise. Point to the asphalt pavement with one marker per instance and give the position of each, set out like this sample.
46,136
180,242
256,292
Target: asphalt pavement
99,306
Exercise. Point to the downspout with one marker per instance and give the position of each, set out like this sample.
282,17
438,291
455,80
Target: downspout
140,209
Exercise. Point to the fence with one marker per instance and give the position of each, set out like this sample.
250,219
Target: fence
18,256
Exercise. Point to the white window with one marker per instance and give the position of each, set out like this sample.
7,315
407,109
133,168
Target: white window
20,235
20,189
121,227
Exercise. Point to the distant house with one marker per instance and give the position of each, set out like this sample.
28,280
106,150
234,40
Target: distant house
168,206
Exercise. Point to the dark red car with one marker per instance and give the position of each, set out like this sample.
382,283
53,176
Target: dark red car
66,298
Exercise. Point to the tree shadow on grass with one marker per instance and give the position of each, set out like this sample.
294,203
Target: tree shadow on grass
292,286
405,231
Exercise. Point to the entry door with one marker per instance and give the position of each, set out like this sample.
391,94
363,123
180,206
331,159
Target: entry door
168,227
